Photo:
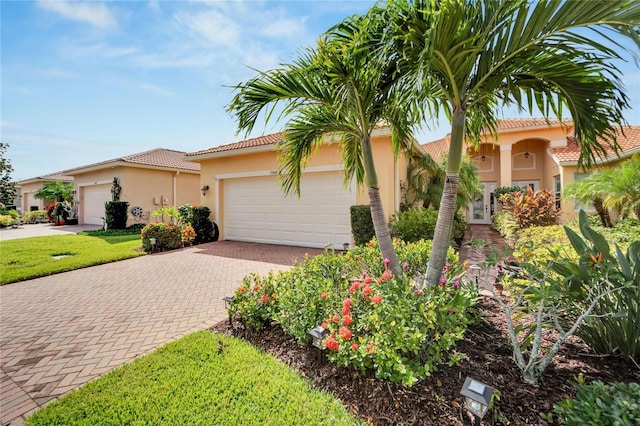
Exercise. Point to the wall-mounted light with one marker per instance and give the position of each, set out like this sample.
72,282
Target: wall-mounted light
204,189
526,150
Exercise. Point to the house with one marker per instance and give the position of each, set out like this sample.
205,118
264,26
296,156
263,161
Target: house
25,197
248,204
531,153
148,180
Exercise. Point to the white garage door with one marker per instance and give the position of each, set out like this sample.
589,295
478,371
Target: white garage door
255,209
93,203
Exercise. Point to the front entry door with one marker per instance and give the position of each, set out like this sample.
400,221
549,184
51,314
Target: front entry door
481,209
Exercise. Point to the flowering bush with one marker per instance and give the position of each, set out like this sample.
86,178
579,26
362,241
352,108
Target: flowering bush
167,235
376,321
399,330
256,300
188,233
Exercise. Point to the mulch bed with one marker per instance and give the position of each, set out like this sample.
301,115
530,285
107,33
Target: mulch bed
436,400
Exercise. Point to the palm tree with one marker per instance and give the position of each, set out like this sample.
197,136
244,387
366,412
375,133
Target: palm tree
339,92
592,189
56,191
468,57
624,188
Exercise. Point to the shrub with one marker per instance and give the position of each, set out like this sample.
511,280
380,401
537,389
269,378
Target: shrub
460,227
532,209
499,192
414,224
186,213
6,220
504,223
402,331
599,404
116,214
167,235
202,225
35,216
362,224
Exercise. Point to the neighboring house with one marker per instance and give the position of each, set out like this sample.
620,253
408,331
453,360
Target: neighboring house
25,197
531,153
148,180
248,204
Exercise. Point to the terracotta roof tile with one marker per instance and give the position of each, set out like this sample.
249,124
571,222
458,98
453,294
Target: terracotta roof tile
248,143
571,153
159,157
438,149
516,123
53,177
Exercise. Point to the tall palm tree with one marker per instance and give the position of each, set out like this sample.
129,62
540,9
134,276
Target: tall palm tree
469,57
340,92
624,188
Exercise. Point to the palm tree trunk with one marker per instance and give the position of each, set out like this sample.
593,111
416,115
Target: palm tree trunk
380,224
442,233
605,219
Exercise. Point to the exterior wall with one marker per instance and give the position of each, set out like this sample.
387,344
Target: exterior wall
328,157
28,191
149,189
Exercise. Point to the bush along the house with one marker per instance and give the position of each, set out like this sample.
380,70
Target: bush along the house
167,237
202,225
362,224
116,214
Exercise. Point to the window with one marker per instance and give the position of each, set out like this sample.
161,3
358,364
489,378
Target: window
558,186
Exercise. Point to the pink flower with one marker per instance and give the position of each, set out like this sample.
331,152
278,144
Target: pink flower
405,265
345,333
324,295
354,346
386,262
331,344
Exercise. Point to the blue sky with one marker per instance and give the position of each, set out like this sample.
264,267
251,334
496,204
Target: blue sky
83,82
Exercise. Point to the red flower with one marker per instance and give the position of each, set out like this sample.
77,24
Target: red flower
345,333
354,287
256,288
346,310
264,298
354,346
336,318
376,299
324,325
242,290
331,344
346,320
324,295
386,275
367,290
368,280
370,348
420,293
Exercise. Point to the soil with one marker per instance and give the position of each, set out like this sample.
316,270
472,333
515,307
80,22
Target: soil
437,400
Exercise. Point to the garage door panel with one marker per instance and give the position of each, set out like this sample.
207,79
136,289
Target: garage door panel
255,209
93,203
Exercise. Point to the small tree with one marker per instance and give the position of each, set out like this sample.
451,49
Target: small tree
8,188
532,209
56,191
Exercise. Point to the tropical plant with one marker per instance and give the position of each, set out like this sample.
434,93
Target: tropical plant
624,188
340,92
592,189
56,191
8,188
468,57
425,178
531,208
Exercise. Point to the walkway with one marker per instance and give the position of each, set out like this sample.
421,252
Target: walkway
493,243
59,332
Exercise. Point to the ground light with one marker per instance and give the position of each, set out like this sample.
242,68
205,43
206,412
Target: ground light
318,334
477,397
227,305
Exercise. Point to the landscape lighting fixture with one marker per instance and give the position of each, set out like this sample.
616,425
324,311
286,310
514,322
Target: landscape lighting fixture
477,397
228,300
152,241
318,334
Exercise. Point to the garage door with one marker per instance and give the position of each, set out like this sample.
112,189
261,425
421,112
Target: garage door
256,210
93,203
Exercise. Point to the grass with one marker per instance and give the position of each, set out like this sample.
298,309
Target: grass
203,378
28,258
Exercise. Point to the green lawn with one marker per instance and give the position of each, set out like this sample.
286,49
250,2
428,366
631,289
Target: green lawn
27,258
203,378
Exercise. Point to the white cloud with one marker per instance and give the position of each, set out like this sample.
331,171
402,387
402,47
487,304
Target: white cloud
96,14
154,5
211,25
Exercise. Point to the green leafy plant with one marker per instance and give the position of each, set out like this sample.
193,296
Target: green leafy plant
596,403
499,192
35,216
414,224
362,224
167,236
615,326
256,300
506,225
116,214
532,208
186,212
202,225
171,213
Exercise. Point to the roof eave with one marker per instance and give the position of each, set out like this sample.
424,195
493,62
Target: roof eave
608,159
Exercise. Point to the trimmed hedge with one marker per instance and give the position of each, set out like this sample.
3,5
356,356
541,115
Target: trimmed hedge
362,224
115,214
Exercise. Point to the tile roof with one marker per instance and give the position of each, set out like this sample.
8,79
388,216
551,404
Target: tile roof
571,153
53,177
249,143
159,157
438,149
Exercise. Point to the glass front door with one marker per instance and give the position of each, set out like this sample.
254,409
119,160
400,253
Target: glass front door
481,209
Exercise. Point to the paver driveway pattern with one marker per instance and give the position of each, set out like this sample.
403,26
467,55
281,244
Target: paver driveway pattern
59,332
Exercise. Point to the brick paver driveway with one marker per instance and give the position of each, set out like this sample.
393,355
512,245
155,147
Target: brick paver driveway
59,332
